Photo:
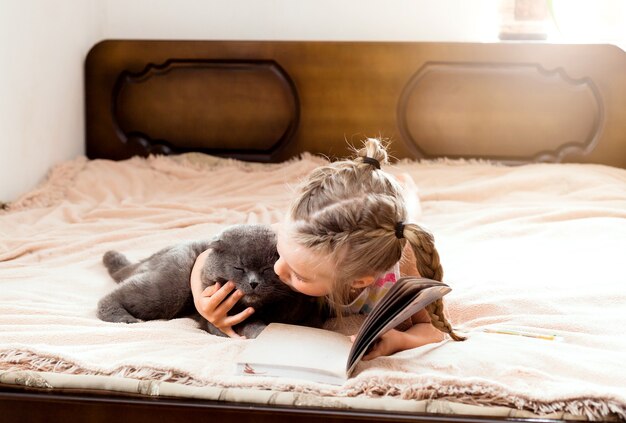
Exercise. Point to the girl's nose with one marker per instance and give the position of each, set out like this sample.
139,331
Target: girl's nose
279,269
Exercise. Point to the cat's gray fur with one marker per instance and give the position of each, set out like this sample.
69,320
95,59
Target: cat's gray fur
158,287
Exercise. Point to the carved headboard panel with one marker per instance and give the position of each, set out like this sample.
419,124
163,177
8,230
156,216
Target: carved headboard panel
267,101
511,112
207,104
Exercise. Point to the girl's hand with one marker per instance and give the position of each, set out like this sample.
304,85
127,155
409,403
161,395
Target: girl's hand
391,342
214,302
421,333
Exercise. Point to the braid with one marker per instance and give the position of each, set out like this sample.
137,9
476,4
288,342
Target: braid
429,266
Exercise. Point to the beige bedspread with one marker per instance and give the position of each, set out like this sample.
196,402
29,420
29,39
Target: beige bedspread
537,247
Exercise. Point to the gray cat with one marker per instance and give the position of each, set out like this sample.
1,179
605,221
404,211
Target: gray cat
158,287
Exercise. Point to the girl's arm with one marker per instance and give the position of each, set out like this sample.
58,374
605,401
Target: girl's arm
421,333
214,302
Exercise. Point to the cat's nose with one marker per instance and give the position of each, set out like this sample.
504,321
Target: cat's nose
254,284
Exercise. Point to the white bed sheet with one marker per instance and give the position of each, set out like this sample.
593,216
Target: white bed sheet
536,247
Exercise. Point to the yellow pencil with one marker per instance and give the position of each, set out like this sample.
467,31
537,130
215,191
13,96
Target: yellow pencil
523,333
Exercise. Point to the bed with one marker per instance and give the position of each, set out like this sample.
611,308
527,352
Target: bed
519,154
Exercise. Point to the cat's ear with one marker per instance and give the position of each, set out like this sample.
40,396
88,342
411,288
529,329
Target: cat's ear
216,245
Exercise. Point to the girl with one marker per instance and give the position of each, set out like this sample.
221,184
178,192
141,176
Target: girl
346,238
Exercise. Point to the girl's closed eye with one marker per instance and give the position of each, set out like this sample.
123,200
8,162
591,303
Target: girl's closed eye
300,278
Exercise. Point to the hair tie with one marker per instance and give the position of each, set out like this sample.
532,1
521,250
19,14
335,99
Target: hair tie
371,161
399,230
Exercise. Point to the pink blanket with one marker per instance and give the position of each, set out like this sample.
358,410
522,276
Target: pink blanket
537,248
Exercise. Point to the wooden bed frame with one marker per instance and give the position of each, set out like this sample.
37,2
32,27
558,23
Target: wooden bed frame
269,101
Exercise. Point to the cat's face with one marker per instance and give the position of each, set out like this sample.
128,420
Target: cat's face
245,254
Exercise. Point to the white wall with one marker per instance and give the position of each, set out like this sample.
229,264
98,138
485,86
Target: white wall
43,44
454,20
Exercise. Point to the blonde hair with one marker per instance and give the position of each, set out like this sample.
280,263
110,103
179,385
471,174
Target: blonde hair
350,210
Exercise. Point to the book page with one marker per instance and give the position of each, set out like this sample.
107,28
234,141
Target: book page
428,296
389,321
404,291
410,295
289,350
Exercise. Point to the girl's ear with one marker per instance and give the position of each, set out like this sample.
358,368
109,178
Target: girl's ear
363,282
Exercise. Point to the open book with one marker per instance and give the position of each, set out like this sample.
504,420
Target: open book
325,356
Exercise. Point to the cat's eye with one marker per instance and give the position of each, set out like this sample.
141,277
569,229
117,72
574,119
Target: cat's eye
239,269
269,271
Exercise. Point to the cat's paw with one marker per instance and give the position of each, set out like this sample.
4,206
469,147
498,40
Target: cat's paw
126,318
211,329
129,319
252,330
111,310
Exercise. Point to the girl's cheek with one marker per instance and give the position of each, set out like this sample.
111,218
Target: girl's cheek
308,289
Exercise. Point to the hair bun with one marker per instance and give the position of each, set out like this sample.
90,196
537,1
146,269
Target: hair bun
374,149
371,161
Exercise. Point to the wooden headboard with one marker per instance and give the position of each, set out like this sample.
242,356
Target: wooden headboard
268,101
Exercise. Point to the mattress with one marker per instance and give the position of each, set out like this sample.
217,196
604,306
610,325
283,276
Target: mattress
533,253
